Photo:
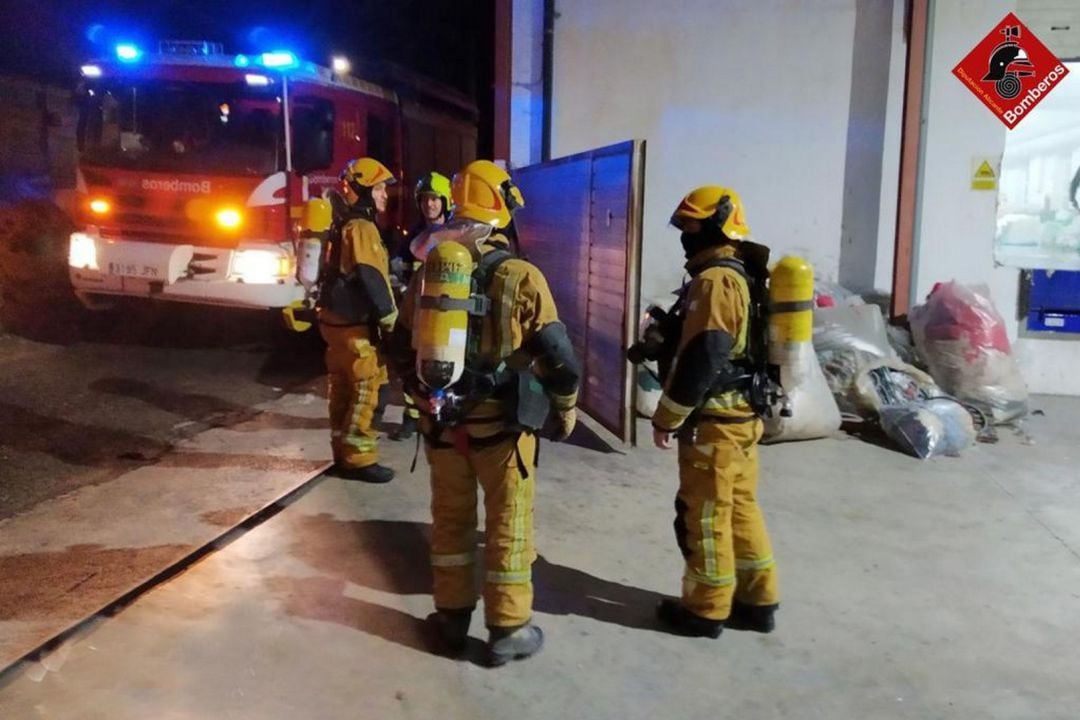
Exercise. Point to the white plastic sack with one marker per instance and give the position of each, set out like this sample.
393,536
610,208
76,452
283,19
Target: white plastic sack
814,411
837,293
852,327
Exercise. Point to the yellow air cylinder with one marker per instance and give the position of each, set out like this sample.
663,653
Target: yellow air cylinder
442,318
791,296
314,231
812,410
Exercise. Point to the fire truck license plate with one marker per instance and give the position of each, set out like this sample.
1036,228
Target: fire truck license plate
136,270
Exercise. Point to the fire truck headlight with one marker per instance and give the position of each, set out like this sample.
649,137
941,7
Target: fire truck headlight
260,266
100,206
82,252
229,218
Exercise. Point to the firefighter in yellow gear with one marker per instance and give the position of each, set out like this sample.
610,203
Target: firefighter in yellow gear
494,443
730,574
356,307
432,194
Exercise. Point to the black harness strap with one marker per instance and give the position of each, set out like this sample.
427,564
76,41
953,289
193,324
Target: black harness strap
729,263
727,419
482,277
485,442
416,453
793,306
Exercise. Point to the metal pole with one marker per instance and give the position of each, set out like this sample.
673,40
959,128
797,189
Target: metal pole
288,130
635,212
915,86
548,50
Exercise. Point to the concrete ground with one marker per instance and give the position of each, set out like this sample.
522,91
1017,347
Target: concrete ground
940,589
119,459
81,414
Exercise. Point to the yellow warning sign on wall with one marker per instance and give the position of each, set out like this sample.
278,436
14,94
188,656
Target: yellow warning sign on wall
983,175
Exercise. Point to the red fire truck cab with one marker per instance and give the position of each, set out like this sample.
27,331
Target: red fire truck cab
194,167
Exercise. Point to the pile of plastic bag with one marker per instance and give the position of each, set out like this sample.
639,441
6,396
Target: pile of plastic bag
847,339
873,380
962,338
912,410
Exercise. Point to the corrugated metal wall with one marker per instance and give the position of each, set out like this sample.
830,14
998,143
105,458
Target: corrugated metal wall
581,225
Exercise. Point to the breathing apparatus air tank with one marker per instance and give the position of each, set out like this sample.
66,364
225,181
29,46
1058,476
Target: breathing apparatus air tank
318,217
791,295
442,318
311,244
814,412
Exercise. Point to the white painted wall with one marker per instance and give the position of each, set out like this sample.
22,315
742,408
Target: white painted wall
956,226
754,95
758,95
526,77
865,150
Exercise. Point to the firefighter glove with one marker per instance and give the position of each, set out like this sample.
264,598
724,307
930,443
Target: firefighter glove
565,420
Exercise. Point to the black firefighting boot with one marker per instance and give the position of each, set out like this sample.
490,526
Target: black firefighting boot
756,618
452,627
376,474
681,621
513,643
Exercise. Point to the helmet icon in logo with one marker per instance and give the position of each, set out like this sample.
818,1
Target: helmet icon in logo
1009,63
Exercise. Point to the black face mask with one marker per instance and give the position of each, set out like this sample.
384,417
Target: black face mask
707,237
510,231
364,207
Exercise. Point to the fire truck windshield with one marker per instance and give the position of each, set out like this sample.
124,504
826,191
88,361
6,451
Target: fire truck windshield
186,127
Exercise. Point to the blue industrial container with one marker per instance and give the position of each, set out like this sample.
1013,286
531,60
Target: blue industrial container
1054,301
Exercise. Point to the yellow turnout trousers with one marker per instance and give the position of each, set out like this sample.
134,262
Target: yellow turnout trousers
504,467
355,372
718,523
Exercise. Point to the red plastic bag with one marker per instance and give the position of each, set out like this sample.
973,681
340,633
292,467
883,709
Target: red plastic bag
957,312
963,339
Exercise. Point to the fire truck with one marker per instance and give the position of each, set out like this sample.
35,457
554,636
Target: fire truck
194,166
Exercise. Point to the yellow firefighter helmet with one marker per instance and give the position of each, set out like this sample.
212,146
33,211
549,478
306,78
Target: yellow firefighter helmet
367,172
717,204
434,184
483,191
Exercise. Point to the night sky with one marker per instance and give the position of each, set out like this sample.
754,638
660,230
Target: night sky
446,40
